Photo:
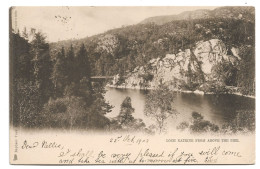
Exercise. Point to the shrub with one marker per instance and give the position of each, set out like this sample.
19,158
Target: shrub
56,106
198,124
243,122
201,125
183,125
26,105
214,87
147,76
68,112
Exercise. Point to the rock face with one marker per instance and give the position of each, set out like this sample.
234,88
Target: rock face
195,65
107,43
210,53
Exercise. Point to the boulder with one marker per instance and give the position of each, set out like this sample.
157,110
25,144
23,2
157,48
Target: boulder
235,52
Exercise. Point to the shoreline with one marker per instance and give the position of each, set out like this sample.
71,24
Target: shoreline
198,92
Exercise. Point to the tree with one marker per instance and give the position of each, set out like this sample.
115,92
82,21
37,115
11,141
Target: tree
70,64
59,76
147,77
83,65
25,34
126,110
98,95
85,90
246,73
23,93
159,106
20,57
225,72
125,120
131,62
42,66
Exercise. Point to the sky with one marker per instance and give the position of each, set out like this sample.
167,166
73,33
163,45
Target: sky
62,23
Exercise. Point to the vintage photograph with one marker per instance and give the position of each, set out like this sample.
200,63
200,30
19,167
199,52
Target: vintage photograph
132,85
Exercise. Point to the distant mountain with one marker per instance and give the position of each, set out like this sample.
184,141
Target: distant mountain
246,13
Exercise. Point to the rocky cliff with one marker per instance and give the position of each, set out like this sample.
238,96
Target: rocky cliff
191,69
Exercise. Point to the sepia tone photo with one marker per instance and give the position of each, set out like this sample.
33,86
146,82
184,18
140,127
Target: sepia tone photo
132,85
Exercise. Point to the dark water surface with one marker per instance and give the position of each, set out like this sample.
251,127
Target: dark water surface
216,108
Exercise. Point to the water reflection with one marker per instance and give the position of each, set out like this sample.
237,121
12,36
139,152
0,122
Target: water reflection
216,108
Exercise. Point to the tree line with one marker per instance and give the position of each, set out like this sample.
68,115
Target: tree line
58,93
53,92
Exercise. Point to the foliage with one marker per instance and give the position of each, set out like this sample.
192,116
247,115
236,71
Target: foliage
183,125
125,120
159,106
30,78
191,86
226,73
246,74
59,76
65,113
27,104
215,87
120,80
147,77
53,92
243,122
70,65
125,116
71,113
70,90
82,64
200,125
42,66
136,45
20,57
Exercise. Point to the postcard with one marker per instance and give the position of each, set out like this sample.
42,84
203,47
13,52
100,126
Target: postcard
132,85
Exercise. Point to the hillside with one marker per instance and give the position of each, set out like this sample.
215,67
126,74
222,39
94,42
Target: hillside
246,13
198,69
121,51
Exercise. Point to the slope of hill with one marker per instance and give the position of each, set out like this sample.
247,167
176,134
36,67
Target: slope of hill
221,12
121,50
